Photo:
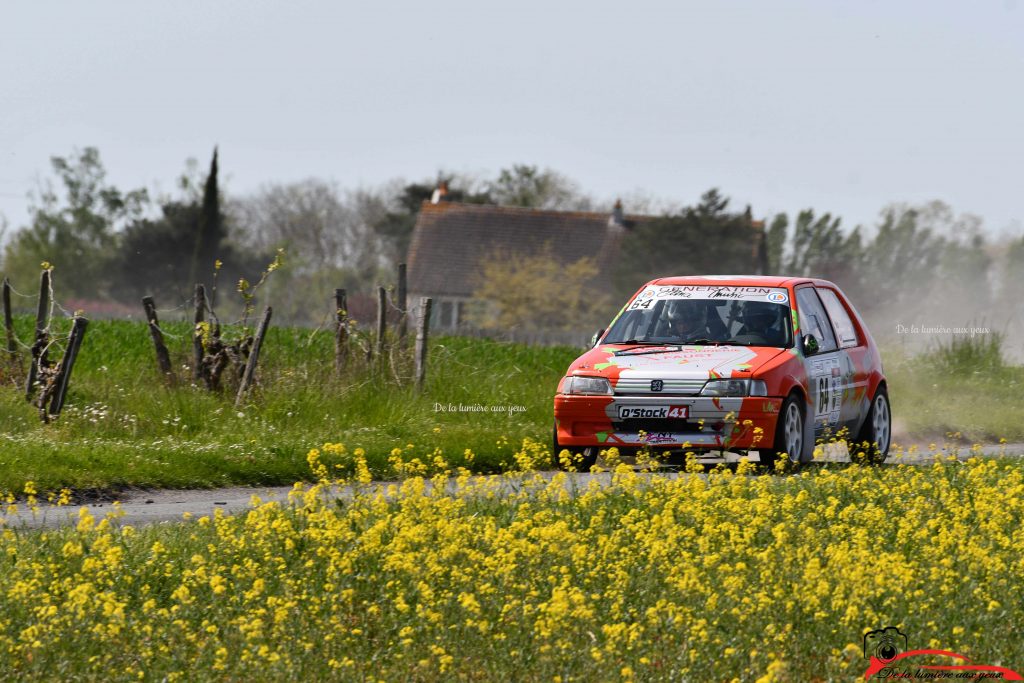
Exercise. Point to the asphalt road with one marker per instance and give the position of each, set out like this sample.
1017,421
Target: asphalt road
173,505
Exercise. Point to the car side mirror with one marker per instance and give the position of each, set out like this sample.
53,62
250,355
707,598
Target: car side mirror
596,337
810,344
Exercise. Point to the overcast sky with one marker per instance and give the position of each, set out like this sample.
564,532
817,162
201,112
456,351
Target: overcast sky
839,106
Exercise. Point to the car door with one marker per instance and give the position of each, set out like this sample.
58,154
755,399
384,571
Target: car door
824,369
853,354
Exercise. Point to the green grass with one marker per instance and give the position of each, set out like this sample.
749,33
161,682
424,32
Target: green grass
962,387
123,428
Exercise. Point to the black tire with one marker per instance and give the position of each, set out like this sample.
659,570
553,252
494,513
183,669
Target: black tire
789,435
580,459
872,443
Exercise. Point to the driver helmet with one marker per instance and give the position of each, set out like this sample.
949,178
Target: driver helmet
685,316
760,315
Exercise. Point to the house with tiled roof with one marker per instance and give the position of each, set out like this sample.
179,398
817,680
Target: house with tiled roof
451,240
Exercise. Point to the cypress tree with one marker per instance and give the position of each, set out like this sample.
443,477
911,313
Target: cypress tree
211,228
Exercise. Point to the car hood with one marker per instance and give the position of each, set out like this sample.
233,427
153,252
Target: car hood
618,361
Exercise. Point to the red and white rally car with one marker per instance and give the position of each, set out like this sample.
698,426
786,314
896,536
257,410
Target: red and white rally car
726,365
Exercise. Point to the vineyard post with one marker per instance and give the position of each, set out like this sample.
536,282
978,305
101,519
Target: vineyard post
254,356
341,331
403,311
12,350
382,319
163,358
422,331
42,337
66,364
199,301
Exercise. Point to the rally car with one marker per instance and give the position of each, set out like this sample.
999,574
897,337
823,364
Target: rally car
726,367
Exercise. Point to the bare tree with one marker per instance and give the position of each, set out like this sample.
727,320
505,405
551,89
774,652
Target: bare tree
327,236
320,226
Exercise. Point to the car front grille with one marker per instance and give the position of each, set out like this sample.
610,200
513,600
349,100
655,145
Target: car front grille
633,386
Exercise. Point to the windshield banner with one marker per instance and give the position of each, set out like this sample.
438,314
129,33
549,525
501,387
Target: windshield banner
775,295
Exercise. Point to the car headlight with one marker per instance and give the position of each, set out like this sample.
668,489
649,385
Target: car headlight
588,385
735,387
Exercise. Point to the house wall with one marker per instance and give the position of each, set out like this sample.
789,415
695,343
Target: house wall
446,313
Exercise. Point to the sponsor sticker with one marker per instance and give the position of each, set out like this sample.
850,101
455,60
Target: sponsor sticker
656,412
660,437
707,292
827,387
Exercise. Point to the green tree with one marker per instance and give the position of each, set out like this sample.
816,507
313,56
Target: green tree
155,257
74,227
961,281
817,244
820,248
776,242
902,258
530,187
155,254
924,259
704,239
1011,286
538,292
211,226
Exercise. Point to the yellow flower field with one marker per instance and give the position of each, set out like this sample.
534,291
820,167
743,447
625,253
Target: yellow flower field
532,577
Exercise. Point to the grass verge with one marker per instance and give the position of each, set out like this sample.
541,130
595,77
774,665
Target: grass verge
961,389
122,428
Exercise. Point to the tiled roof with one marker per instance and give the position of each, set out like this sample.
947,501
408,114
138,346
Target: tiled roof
451,240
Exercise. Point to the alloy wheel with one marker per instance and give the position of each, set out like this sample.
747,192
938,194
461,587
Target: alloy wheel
794,431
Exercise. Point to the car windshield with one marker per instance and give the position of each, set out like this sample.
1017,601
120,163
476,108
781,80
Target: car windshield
703,314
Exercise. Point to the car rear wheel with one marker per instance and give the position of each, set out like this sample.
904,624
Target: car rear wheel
789,434
872,443
578,460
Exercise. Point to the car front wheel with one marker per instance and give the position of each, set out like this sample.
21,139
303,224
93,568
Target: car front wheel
789,434
577,459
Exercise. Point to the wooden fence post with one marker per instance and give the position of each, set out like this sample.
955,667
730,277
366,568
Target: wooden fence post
382,319
42,338
403,311
66,364
12,350
199,301
422,332
254,356
341,331
163,358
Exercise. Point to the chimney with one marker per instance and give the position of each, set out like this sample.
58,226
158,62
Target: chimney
618,218
440,193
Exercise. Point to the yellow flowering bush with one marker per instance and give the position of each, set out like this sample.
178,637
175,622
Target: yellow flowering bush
531,576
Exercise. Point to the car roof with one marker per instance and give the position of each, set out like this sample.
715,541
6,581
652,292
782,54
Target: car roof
738,280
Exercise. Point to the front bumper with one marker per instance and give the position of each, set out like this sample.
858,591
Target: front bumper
710,423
